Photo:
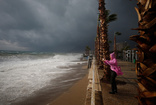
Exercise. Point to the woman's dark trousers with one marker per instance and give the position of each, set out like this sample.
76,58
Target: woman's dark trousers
113,82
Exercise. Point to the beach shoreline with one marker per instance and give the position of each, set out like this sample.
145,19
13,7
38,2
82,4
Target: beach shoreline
47,95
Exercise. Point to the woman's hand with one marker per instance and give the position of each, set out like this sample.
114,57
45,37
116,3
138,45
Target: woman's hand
103,59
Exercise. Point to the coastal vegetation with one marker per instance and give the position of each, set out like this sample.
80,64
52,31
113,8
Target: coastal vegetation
146,64
116,33
102,43
87,50
146,40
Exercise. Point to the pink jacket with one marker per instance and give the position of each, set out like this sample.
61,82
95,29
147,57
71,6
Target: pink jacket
113,64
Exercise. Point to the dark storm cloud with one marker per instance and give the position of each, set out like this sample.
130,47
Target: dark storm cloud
57,25
127,19
48,25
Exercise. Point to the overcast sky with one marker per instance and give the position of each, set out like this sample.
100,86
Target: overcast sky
60,25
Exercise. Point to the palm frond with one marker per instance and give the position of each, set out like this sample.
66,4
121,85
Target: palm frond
111,18
118,33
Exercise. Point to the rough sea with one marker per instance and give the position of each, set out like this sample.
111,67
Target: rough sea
26,74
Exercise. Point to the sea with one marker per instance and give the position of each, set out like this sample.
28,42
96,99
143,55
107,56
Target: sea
26,77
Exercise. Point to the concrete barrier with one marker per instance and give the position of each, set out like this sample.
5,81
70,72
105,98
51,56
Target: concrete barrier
94,93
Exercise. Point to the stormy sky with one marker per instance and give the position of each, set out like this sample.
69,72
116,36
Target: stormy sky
60,25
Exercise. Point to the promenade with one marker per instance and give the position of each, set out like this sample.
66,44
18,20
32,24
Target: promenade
127,87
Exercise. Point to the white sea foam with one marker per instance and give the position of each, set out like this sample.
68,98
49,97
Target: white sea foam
20,76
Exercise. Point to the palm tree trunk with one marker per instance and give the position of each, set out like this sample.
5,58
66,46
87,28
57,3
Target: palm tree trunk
115,44
146,65
104,46
98,45
96,48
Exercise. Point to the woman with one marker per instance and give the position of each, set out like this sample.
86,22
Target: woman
115,70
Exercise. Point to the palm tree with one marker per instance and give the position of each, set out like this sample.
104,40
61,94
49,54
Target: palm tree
87,49
146,65
104,18
116,33
97,45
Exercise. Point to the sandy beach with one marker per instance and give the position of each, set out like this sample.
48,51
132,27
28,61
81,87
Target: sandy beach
75,95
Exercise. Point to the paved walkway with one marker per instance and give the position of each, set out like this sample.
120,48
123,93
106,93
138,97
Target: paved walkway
127,87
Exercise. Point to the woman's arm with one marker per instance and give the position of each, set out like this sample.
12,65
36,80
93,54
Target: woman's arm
110,62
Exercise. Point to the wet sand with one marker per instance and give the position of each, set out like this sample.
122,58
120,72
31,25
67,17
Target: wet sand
75,95
72,90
